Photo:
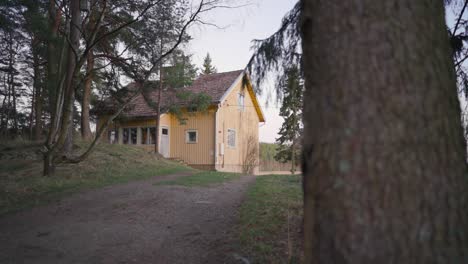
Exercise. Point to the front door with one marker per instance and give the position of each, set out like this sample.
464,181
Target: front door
164,148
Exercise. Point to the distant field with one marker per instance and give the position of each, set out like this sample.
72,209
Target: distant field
22,185
271,218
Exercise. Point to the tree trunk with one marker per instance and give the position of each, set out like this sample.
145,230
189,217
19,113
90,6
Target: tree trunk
37,95
31,114
293,157
67,127
158,105
385,176
62,121
53,73
85,122
12,83
85,128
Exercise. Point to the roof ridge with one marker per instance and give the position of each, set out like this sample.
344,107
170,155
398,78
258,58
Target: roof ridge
216,73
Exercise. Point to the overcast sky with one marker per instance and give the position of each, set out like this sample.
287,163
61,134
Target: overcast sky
230,47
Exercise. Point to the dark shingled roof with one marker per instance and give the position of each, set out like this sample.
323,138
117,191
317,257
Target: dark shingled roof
214,85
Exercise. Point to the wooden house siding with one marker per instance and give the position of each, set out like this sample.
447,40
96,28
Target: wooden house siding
200,154
245,122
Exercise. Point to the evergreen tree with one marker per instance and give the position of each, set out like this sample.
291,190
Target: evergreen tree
291,110
179,71
207,68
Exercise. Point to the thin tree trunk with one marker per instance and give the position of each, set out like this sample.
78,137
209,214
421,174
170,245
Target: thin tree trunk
158,104
385,175
67,127
293,157
85,104
3,110
55,18
63,116
85,128
158,115
12,84
37,95
31,114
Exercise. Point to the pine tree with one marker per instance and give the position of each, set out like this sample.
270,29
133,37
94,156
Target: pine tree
207,68
291,110
179,70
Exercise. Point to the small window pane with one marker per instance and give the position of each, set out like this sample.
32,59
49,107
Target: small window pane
152,138
126,136
192,136
241,102
231,138
165,131
133,136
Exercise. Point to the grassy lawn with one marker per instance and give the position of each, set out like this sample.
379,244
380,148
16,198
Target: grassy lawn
22,186
204,178
271,218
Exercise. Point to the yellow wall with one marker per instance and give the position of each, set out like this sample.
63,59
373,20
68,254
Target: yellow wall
200,153
245,123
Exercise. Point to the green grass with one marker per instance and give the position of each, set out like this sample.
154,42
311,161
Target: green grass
205,178
264,225
23,186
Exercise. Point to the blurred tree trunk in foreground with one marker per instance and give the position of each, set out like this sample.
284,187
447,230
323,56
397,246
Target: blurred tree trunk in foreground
385,174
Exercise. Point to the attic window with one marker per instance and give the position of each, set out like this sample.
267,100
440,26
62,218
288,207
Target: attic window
240,101
191,136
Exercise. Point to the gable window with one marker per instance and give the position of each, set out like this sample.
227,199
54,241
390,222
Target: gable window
241,101
231,138
191,136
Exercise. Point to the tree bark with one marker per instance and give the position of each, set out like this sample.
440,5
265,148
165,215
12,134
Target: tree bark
158,104
62,121
385,176
85,128
37,94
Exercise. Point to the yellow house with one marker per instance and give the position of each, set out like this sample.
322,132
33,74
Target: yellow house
223,138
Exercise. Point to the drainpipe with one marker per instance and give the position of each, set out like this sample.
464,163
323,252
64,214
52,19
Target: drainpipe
216,139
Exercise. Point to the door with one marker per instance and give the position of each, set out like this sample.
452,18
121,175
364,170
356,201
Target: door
164,148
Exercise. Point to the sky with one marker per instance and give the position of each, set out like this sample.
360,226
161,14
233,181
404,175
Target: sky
229,46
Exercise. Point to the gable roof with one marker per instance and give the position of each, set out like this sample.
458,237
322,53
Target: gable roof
217,86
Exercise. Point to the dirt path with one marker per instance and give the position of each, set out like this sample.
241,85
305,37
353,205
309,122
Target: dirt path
131,223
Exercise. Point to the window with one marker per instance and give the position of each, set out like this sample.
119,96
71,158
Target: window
165,131
148,135
191,136
240,102
130,136
133,136
231,138
125,136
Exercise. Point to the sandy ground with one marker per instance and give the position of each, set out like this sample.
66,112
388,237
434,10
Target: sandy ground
136,222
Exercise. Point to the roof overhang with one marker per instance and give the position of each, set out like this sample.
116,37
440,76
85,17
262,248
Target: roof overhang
250,90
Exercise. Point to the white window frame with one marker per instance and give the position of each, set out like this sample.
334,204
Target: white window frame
241,102
235,138
187,137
